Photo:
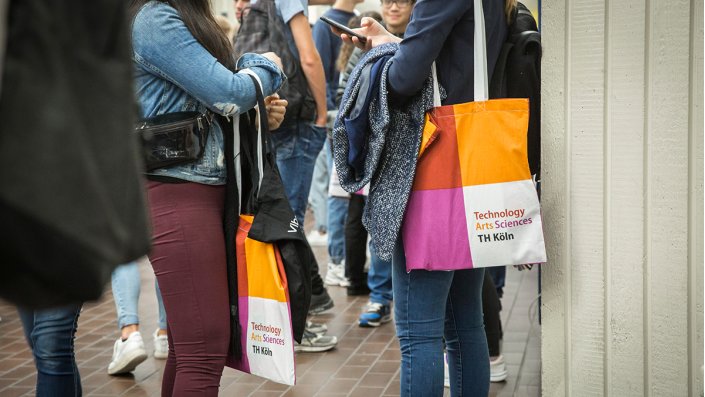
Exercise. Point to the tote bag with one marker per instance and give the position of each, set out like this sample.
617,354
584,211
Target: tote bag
473,202
263,303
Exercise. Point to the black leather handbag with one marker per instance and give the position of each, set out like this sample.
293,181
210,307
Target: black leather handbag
174,138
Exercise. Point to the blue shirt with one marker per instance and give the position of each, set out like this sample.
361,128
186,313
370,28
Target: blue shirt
443,31
328,46
174,72
288,9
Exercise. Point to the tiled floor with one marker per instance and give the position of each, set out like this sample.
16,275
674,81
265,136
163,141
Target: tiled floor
365,363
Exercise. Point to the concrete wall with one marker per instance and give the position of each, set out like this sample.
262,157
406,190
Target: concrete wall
623,197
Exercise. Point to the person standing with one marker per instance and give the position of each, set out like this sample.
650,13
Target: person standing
377,311
328,46
129,350
431,306
184,62
297,144
50,334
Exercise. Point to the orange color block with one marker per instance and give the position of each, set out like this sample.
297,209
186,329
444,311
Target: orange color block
438,166
492,141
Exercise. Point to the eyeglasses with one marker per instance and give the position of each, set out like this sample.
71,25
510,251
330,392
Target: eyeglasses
399,3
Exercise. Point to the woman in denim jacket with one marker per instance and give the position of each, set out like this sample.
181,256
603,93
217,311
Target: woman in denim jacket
183,62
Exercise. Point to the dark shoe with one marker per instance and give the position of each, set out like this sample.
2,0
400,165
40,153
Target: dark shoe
314,343
320,303
357,290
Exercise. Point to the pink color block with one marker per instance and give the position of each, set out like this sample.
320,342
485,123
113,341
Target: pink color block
435,232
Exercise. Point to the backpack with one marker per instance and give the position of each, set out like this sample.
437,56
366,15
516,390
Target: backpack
517,74
264,30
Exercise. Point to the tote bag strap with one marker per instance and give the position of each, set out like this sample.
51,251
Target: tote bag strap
479,60
262,127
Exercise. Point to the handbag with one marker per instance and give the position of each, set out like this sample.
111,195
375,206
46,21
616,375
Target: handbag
262,290
174,138
473,202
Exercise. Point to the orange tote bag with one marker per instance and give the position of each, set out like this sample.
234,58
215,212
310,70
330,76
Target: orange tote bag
473,202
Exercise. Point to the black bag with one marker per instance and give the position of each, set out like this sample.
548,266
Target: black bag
72,204
263,30
174,138
274,220
517,74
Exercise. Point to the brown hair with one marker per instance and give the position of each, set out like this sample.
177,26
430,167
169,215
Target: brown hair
347,49
198,18
509,6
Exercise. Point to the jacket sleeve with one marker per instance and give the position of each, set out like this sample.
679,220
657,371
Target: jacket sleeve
163,45
432,22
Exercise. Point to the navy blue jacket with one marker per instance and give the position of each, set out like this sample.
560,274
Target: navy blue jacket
442,30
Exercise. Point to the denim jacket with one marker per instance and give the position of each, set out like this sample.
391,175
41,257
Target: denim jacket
174,72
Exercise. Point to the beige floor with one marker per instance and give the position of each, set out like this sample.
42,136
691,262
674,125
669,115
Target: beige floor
365,363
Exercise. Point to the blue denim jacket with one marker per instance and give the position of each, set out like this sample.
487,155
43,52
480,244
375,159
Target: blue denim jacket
174,72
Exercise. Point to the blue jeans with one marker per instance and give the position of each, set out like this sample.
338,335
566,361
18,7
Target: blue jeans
337,212
319,192
50,334
428,307
296,148
126,293
379,279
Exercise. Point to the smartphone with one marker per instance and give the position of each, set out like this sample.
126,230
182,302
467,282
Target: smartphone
344,29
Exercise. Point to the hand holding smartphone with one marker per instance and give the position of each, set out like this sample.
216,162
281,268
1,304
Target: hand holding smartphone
344,29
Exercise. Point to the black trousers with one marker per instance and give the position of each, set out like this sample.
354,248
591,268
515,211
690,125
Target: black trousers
491,306
355,243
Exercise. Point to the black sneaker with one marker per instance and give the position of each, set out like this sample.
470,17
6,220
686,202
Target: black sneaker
320,303
358,290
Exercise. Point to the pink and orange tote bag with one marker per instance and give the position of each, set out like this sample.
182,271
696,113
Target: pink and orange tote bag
473,202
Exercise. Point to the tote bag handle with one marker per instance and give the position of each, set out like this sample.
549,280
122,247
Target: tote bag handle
261,125
479,60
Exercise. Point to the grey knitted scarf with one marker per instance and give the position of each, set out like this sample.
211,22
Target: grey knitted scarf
393,144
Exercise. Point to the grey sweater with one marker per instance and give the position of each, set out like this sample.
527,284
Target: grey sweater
393,144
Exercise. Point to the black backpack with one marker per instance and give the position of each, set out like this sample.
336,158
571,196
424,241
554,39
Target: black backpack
517,74
264,30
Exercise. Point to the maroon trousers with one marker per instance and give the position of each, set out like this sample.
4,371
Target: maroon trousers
189,261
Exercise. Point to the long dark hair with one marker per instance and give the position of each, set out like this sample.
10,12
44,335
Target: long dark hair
198,18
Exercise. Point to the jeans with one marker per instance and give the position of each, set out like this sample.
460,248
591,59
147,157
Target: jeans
126,292
319,192
50,334
433,305
337,212
379,279
296,149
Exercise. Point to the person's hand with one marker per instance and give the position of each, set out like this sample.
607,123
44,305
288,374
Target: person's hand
276,109
374,31
321,121
274,58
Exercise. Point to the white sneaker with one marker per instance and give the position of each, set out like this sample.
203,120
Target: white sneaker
127,355
336,275
498,370
161,345
446,372
316,238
